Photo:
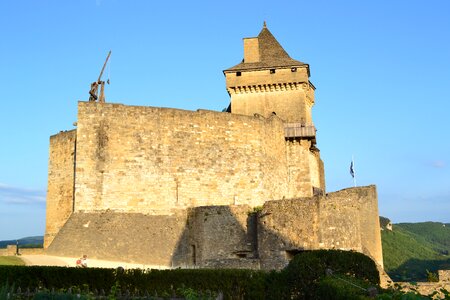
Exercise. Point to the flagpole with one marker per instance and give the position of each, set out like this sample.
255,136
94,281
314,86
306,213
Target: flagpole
354,172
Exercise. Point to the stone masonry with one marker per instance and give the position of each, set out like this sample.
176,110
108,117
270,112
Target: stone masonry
243,188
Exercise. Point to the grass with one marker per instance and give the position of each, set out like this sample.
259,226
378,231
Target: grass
11,261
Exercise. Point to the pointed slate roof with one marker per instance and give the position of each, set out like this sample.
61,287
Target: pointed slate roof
271,55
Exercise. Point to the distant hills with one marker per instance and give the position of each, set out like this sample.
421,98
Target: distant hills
410,249
32,241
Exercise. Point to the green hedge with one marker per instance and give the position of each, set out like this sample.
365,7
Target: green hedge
56,277
304,278
235,284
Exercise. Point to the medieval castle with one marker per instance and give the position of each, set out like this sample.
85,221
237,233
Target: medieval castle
241,188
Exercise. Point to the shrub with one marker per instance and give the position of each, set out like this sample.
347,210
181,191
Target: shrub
432,277
336,289
305,272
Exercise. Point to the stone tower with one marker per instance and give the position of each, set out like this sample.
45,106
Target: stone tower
269,82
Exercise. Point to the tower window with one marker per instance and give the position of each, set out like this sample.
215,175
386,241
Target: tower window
238,74
272,71
293,69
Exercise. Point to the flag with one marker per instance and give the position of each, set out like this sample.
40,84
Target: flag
352,170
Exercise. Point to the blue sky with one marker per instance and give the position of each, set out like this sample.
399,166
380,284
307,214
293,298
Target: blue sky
381,69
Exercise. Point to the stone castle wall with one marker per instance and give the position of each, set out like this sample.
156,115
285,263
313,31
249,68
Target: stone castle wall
157,161
154,160
340,220
130,237
175,188
234,236
370,225
60,183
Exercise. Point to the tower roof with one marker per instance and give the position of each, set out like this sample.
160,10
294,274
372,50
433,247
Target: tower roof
271,54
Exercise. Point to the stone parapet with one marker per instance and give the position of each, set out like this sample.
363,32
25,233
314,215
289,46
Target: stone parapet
264,78
31,251
10,250
426,288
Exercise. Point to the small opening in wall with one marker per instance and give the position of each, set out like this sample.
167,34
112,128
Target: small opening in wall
241,255
317,191
193,258
238,73
291,253
272,71
293,69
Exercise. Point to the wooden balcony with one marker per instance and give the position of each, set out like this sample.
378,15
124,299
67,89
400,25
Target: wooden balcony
298,130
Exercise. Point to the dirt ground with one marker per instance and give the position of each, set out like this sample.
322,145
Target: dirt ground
48,260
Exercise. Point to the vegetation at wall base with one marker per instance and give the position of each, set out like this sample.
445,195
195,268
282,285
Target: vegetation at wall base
304,276
324,274
309,274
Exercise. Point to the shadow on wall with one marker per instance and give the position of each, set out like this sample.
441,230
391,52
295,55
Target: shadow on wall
244,237
210,236
218,236
268,237
198,237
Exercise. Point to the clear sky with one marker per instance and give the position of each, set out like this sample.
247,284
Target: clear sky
381,69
